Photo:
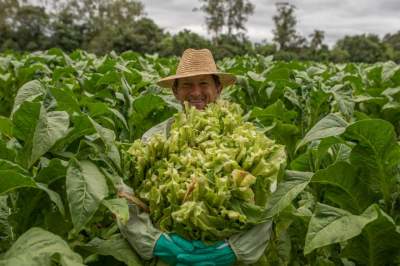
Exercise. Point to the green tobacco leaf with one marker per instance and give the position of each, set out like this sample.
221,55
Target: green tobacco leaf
81,126
330,125
25,120
86,188
287,191
148,110
330,225
377,153
117,247
54,197
51,127
51,171
119,207
7,152
8,165
66,100
276,110
318,154
6,126
28,92
108,138
38,247
346,189
11,180
13,176
84,126
39,129
377,245
99,109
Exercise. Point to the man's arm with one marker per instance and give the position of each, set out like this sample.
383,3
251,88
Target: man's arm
140,232
249,246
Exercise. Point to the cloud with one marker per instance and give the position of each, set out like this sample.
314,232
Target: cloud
336,18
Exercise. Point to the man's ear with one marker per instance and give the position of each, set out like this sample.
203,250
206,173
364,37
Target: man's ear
175,88
219,89
175,91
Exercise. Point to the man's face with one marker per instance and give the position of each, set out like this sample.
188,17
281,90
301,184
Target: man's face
198,90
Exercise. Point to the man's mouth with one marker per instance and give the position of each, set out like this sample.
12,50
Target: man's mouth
199,104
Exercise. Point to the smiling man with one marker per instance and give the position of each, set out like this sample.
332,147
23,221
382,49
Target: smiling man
197,90
198,82
197,79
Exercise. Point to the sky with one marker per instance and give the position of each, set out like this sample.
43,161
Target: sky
336,18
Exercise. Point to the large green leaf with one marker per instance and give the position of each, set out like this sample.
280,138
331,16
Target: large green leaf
119,207
54,197
25,120
98,109
7,152
148,110
330,225
83,125
39,129
345,188
276,110
51,127
13,176
117,247
66,100
287,191
51,170
38,247
28,92
108,138
86,188
6,126
377,154
330,125
377,245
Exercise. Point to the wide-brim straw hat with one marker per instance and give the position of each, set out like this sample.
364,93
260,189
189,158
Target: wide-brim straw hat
194,63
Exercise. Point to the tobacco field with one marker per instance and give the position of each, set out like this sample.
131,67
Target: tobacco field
67,121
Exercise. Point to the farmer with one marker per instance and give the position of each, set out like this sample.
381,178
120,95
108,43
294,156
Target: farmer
198,82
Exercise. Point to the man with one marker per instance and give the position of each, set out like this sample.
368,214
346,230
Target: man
198,82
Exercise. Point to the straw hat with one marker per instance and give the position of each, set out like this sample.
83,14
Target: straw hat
197,62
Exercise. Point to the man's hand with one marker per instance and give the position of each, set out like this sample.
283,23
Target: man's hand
219,254
126,192
169,246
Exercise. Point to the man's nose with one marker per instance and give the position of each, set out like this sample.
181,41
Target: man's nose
196,90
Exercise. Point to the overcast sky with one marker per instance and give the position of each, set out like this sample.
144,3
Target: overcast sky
336,17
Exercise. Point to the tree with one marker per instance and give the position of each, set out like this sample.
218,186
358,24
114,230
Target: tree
317,39
226,14
285,27
238,12
393,43
67,33
393,40
31,28
143,36
215,15
104,25
8,9
265,48
179,42
232,45
363,48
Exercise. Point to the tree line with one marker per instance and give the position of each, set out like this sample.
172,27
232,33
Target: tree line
101,26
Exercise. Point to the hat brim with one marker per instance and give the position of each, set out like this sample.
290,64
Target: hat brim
226,79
